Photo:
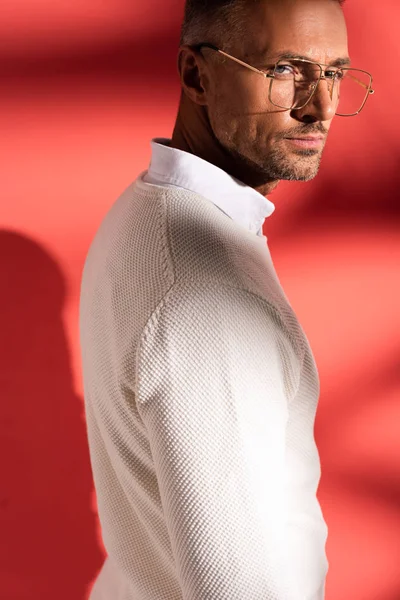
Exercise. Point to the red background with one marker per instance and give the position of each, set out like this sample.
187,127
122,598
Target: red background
85,85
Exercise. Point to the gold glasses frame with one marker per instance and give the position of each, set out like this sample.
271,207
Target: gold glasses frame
271,76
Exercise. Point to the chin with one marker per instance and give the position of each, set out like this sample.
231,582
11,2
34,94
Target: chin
303,176
303,167
298,165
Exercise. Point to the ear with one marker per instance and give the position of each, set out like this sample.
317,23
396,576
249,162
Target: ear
193,74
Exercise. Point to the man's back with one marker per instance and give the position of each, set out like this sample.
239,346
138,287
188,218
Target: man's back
200,393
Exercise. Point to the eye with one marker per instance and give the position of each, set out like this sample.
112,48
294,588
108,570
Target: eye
285,70
334,74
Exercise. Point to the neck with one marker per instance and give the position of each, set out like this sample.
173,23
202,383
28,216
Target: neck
193,133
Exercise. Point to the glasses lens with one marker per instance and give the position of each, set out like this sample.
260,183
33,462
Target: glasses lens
350,90
293,83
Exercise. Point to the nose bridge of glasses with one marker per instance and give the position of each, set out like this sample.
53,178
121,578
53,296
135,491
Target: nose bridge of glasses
318,87
309,76
329,81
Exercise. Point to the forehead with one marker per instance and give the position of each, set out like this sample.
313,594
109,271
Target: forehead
312,28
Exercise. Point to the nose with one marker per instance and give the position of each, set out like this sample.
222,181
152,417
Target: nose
320,107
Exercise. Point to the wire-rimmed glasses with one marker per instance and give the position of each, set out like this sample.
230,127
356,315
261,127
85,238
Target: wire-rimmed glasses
293,82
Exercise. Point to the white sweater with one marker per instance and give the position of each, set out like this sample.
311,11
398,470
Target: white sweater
200,392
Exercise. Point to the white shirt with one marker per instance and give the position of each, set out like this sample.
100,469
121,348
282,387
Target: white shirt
170,166
200,394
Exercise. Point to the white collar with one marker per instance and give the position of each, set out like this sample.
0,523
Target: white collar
237,200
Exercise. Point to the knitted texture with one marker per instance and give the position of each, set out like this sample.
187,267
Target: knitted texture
200,392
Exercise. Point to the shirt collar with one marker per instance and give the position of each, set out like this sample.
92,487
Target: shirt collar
183,169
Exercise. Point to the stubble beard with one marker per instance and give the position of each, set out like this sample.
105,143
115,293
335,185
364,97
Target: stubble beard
301,165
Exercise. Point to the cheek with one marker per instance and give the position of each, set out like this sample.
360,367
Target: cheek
242,94
225,111
250,95
240,111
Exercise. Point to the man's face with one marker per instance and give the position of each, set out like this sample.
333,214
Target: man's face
247,125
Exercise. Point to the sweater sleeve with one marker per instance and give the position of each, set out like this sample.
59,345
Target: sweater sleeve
215,370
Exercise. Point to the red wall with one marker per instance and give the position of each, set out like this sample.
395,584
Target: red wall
84,86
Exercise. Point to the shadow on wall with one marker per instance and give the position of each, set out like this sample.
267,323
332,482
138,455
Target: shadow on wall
48,528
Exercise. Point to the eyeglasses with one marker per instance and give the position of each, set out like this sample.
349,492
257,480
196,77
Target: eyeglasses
293,82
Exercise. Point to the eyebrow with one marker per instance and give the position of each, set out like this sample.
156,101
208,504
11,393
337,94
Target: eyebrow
338,62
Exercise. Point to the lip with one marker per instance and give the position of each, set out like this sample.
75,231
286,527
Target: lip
310,141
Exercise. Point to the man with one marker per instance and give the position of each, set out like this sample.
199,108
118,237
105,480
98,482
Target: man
200,386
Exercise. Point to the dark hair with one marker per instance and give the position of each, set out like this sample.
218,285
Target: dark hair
215,21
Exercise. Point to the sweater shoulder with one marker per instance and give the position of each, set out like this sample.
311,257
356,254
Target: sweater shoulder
159,248
220,321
